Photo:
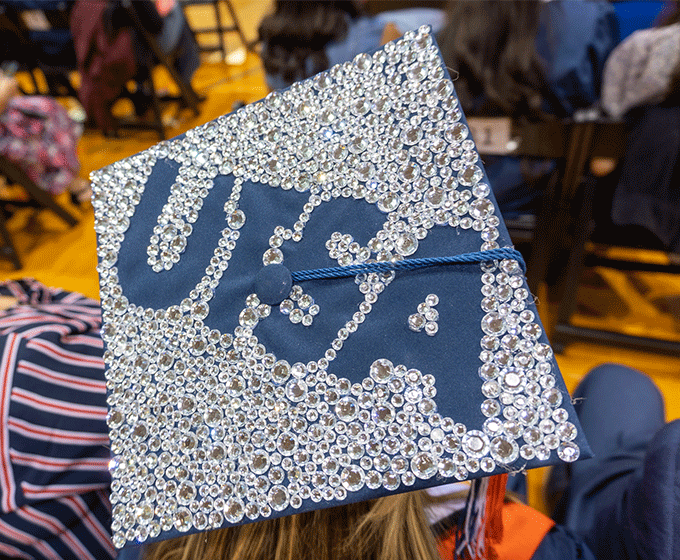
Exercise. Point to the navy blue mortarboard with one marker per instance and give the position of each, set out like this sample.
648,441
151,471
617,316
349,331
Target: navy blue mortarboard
313,301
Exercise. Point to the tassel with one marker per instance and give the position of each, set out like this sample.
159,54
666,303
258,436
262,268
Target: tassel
471,545
494,510
483,524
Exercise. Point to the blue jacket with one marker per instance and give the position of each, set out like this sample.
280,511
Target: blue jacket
574,39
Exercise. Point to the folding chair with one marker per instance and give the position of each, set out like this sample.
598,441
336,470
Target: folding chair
604,139
551,140
187,95
41,30
218,29
38,198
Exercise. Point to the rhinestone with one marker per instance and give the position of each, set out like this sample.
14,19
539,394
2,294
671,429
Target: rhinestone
493,324
236,219
200,310
568,451
493,426
391,481
346,409
446,467
383,415
527,452
272,256
233,510
296,390
259,462
481,208
532,331
382,370
424,466
361,107
352,478
475,443
416,322
388,202
278,498
115,418
543,453
471,175
406,244
186,492
503,450
286,306
409,172
281,372
566,431
551,441
183,520
512,380
552,396
248,317
411,135
487,464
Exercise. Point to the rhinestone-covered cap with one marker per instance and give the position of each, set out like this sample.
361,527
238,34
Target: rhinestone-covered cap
228,406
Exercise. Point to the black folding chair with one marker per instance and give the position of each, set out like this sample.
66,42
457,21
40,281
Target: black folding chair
218,28
187,96
44,46
600,138
37,198
557,140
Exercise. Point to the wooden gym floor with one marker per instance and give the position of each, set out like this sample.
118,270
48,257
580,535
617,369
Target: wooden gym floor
66,258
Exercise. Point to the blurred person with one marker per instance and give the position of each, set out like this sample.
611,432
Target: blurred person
111,51
624,502
54,447
642,86
37,134
644,69
526,60
300,39
165,20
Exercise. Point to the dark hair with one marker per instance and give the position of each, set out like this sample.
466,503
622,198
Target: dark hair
491,45
295,35
671,16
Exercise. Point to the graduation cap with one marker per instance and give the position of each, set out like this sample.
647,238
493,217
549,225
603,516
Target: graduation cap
314,301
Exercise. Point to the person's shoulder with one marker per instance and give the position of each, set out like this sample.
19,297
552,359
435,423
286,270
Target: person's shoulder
654,35
644,44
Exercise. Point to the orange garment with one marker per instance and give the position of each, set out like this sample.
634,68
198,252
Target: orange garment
513,531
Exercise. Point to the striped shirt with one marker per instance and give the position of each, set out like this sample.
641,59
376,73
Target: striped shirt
53,436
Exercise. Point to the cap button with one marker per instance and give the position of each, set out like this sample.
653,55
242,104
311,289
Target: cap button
273,283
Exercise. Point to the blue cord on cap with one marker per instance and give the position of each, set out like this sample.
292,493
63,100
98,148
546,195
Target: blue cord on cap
409,264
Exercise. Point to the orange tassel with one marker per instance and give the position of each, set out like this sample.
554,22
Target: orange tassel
495,498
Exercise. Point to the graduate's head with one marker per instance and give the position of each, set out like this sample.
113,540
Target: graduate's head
390,528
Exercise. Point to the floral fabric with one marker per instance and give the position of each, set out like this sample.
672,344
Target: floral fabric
37,134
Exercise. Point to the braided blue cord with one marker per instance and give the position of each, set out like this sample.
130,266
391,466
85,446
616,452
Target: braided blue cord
409,264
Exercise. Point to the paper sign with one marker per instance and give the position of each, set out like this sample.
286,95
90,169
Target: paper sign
492,135
35,20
